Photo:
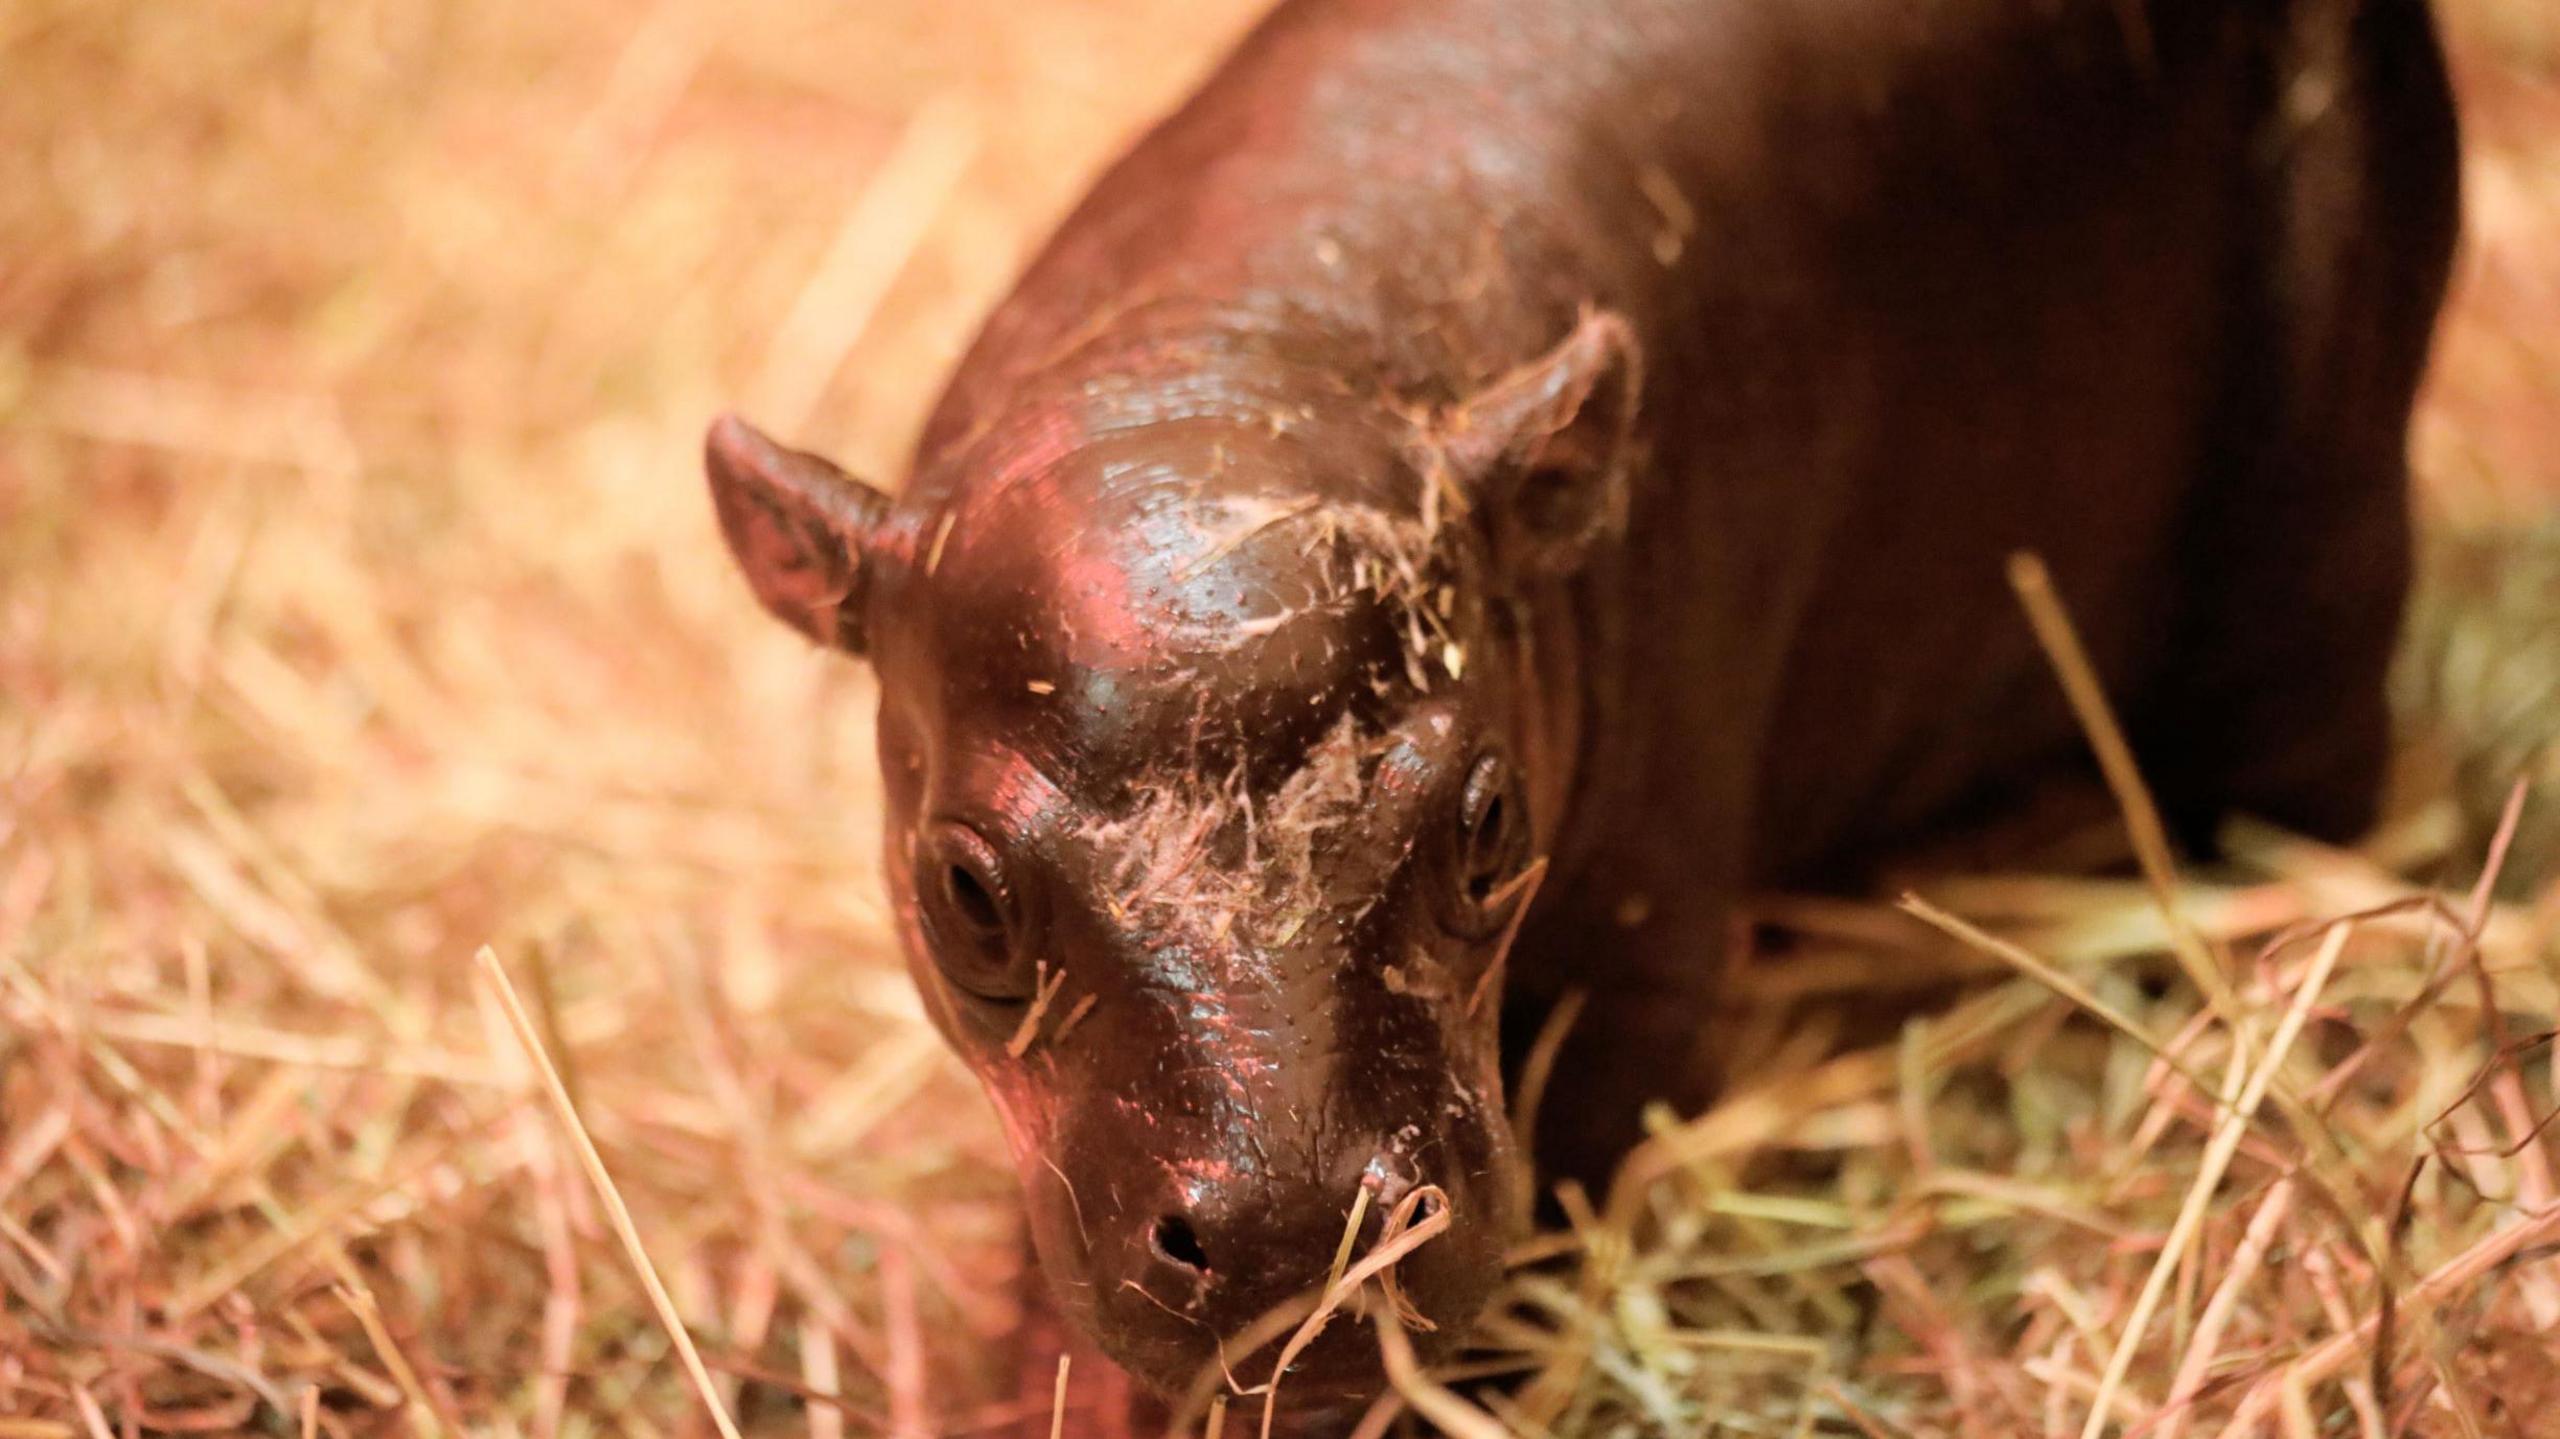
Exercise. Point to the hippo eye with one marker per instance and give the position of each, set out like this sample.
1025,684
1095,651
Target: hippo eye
1492,839
969,913
973,900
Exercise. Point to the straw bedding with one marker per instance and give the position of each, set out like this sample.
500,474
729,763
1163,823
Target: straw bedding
359,609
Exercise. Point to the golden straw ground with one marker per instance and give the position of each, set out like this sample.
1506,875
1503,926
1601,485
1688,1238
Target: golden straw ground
359,607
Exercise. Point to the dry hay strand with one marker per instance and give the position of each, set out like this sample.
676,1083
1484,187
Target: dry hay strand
2006,1223
2060,1208
359,607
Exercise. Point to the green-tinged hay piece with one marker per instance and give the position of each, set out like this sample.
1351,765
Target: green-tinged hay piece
1993,1258
360,607
2479,683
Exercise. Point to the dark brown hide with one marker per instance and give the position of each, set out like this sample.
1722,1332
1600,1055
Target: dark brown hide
1474,434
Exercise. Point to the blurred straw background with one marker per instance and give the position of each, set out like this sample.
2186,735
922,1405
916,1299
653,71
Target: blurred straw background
360,607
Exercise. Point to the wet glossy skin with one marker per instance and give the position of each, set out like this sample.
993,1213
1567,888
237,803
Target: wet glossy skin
1225,810
1620,411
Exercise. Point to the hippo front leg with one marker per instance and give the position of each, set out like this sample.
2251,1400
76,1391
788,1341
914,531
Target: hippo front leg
2298,547
1646,962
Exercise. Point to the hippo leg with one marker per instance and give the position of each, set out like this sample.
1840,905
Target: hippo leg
2063,819
2299,552
1646,971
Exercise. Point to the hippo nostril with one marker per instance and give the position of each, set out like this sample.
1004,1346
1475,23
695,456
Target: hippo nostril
1174,1243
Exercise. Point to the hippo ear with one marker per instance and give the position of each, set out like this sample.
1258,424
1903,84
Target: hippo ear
803,530
1542,453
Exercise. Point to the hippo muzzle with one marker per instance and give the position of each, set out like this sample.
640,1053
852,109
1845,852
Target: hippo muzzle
1278,1029
1193,1168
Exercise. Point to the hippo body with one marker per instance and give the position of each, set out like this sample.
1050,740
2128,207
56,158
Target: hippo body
1487,483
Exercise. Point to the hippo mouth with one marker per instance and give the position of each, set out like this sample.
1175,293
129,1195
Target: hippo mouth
1322,1346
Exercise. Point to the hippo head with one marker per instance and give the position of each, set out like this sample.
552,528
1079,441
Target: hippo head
1218,779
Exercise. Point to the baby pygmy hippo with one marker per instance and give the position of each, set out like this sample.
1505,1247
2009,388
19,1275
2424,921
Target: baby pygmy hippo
1488,482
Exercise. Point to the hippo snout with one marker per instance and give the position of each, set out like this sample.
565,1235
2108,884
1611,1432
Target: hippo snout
1217,1269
